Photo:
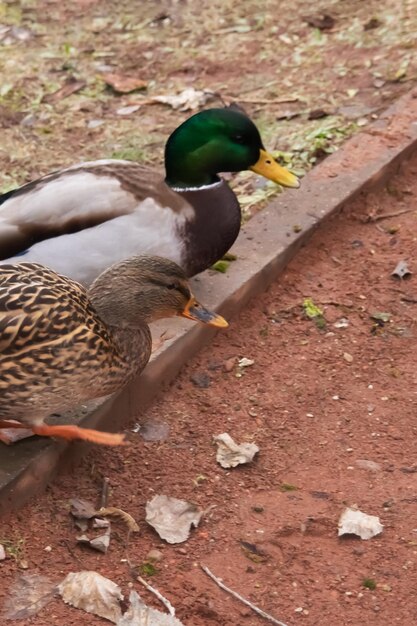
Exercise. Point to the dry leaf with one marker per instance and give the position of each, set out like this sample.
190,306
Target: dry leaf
230,454
71,85
244,362
100,543
138,614
401,270
322,21
124,84
153,430
82,509
112,511
28,596
93,593
188,100
354,522
253,553
10,34
128,110
171,518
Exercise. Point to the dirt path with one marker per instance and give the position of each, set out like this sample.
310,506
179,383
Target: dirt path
318,402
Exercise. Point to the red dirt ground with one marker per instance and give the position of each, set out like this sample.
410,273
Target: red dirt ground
315,401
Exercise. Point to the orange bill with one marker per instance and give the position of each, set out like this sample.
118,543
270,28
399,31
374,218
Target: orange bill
194,311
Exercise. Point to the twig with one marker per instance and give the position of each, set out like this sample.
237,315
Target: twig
409,299
385,216
104,493
239,597
265,101
167,604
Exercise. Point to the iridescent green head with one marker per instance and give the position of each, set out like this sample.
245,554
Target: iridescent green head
218,140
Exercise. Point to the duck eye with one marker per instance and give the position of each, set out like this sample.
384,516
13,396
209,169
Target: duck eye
172,286
239,138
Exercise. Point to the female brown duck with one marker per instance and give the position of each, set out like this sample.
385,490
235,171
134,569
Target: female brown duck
61,345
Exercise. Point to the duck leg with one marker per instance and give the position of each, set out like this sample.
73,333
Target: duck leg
72,432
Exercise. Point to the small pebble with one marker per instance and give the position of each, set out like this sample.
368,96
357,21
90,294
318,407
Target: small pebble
154,555
2,552
229,364
372,466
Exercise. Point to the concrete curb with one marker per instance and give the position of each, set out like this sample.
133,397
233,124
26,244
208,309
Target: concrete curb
267,243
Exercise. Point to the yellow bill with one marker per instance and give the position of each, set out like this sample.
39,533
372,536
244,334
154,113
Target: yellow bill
194,311
267,166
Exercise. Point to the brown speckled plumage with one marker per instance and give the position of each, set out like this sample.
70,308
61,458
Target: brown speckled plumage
61,345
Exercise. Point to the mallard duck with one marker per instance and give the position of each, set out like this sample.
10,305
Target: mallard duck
80,220
61,345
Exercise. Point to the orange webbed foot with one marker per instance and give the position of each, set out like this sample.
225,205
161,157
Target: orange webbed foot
71,432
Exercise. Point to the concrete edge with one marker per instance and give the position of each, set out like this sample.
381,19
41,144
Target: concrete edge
265,246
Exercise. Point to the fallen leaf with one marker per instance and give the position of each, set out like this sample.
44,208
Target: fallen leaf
93,593
244,362
71,85
372,466
124,84
355,111
342,323
229,364
82,509
310,309
100,523
381,316
153,430
401,270
28,596
188,100
10,34
230,454
317,114
352,92
100,543
253,553
172,518
374,22
112,511
354,522
322,21
138,614
128,110
314,313
220,266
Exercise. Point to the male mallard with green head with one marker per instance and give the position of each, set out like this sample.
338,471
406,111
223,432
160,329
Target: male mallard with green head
61,346
80,220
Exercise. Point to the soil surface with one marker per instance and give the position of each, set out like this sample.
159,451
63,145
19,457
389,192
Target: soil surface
331,406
